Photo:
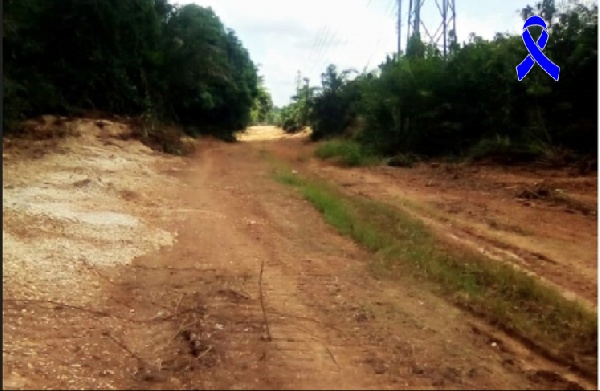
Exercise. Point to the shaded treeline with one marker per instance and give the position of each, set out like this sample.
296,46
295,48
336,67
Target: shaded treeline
469,104
127,57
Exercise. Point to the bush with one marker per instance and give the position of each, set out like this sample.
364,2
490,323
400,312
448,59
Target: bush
402,160
501,150
470,104
126,57
346,152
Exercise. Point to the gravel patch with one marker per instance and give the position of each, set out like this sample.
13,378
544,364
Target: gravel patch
63,212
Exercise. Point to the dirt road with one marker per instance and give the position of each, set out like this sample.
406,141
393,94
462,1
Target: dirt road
220,278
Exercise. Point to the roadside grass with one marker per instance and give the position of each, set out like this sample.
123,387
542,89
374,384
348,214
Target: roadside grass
346,152
563,329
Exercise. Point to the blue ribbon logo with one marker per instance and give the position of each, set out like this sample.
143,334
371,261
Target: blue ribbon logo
535,51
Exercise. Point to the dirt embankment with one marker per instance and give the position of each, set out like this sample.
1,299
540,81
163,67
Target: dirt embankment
124,268
77,202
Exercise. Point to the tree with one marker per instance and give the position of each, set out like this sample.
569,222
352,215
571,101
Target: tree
263,106
471,102
129,57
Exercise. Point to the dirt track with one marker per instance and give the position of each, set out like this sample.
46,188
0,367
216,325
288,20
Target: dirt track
255,291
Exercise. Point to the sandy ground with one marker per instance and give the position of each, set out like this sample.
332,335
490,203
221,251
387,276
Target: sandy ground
127,269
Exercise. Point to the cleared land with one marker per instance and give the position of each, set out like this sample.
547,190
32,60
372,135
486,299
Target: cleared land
125,268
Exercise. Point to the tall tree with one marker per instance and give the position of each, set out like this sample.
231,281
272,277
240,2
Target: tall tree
126,57
471,102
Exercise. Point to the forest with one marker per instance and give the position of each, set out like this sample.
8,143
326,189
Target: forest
180,65
137,58
470,104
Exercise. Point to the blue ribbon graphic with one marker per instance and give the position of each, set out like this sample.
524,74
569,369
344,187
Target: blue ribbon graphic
535,51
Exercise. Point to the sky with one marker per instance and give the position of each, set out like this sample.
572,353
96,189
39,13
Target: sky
287,36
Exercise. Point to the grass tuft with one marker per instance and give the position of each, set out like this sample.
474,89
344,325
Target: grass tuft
346,152
510,298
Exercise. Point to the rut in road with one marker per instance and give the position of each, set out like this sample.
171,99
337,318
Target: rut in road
313,318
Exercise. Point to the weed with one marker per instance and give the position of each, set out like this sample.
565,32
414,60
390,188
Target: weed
504,295
346,152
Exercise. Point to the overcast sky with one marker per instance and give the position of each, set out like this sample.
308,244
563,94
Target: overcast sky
290,35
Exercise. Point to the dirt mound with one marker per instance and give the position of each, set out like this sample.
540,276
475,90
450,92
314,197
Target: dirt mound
538,191
546,191
37,137
64,219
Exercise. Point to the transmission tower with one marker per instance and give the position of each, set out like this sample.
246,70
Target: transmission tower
444,23
298,84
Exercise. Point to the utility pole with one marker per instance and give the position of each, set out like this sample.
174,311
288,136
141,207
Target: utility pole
399,27
298,85
445,24
307,80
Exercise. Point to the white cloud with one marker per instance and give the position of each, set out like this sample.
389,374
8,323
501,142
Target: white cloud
290,35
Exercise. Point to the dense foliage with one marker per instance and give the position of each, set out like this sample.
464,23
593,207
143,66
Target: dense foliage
129,57
471,102
263,111
296,115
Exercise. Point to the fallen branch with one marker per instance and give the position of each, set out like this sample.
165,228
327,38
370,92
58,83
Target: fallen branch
204,353
330,354
199,269
94,270
319,340
179,302
108,335
262,301
59,305
306,318
104,314
179,331
143,365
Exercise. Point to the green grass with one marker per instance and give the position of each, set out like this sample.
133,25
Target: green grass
505,296
346,152
504,150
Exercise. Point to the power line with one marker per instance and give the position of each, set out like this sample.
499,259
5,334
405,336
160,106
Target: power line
373,53
326,60
318,48
322,45
389,9
392,8
327,40
318,39
317,36
323,42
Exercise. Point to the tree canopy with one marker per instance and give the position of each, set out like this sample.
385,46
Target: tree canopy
129,57
469,102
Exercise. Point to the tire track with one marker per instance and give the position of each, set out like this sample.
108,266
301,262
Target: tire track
332,326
